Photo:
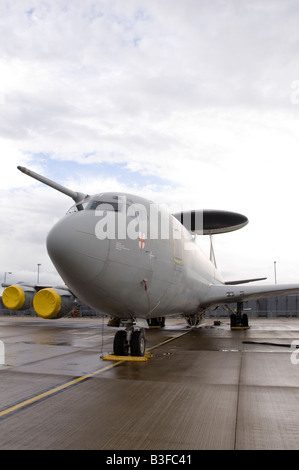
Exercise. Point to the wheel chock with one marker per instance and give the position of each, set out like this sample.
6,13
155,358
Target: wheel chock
239,327
113,357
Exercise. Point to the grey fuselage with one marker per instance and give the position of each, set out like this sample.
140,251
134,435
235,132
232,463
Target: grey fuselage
126,257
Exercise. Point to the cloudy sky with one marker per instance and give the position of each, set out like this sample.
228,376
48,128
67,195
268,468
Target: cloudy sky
193,102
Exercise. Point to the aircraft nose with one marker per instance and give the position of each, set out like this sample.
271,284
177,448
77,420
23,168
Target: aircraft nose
78,255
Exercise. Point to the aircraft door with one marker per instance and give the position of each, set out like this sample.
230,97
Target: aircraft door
178,243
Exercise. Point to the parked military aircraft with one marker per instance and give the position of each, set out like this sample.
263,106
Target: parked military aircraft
131,259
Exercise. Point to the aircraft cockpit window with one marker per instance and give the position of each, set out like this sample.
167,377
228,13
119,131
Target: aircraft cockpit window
80,206
104,206
72,209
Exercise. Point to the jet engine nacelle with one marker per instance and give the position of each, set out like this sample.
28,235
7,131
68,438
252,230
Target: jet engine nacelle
53,303
17,297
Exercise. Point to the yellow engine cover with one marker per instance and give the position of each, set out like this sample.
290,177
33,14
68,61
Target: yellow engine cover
47,303
13,297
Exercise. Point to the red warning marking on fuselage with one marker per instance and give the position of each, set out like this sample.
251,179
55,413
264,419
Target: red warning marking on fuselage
141,241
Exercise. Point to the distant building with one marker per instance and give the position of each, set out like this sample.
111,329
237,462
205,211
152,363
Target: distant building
287,306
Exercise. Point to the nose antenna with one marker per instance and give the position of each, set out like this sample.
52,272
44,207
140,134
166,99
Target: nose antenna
76,196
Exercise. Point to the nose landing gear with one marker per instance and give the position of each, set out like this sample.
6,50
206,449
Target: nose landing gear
129,340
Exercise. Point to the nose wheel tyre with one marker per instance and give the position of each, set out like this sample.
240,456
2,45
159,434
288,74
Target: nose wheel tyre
120,344
138,343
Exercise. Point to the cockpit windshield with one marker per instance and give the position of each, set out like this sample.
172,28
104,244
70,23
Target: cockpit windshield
107,203
72,209
79,206
105,206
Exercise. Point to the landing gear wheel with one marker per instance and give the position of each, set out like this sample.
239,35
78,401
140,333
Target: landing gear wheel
244,320
239,320
120,344
138,343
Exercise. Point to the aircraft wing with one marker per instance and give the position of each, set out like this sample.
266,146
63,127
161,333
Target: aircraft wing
225,294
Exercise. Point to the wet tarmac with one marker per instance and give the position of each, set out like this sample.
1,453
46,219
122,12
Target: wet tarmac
209,388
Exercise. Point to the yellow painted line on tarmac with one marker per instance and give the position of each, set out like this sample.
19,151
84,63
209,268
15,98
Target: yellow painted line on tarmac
54,390
167,341
59,388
